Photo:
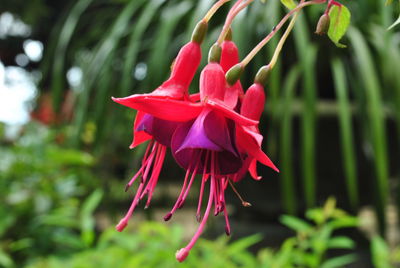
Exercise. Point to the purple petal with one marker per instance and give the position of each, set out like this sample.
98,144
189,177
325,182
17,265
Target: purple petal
190,145
161,130
186,158
146,124
216,129
228,163
197,137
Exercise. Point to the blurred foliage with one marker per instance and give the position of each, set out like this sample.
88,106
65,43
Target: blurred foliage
382,255
151,243
41,187
312,243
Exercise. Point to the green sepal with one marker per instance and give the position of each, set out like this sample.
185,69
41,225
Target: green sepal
233,74
215,53
262,75
199,32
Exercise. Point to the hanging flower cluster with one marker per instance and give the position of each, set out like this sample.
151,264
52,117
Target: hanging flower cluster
214,133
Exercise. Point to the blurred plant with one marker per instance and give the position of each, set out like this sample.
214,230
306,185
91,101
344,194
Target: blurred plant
311,245
149,246
40,195
382,255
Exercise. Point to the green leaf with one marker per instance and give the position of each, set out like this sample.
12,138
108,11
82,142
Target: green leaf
60,53
340,21
339,261
295,223
87,220
5,259
374,126
341,242
395,23
346,132
316,215
287,183
290,4
380,252
242,244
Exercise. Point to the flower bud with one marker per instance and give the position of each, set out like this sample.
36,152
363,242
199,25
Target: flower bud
323,24
199,32
234,73
212,82
229,55
253,102
215,53
262,75
186,63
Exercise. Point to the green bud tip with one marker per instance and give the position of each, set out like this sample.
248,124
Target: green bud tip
215,53
199,32
233,74
323,24
262,75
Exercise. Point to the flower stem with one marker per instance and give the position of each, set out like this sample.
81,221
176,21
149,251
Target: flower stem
214,9
260,45
282,41
237,7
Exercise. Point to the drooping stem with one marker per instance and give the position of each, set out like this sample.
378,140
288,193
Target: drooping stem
214,9
282,41
260,45
237,7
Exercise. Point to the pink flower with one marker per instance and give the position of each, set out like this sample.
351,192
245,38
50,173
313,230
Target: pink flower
249,138
207,146
159,131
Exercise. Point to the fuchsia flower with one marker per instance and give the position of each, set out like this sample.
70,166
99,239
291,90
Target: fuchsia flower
249,138
251,106
214,134
158,131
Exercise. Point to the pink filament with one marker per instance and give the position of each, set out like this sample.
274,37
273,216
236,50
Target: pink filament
203,180
152,161
183,253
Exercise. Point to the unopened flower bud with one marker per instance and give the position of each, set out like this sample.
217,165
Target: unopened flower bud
262,75
215,53
323,24
234,73
199,32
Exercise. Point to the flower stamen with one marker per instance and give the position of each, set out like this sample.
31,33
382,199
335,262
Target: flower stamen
244,203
